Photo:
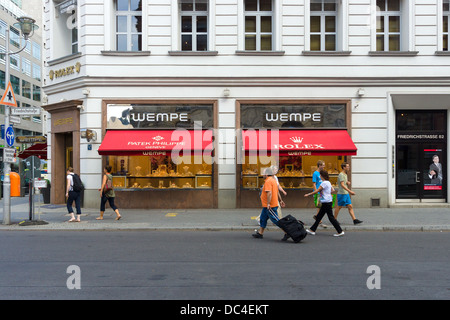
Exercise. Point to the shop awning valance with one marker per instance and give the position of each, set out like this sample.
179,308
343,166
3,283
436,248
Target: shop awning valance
298,142
156,142
38,149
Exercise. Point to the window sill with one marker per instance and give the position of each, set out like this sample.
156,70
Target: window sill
259,53
193,53
326,53
393,53
442,53
64,59
126,53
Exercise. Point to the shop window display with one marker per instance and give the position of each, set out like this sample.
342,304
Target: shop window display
160,172
295,172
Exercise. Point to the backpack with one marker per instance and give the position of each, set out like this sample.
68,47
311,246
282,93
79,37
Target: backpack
77,184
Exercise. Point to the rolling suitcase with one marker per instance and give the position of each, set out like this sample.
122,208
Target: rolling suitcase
293,227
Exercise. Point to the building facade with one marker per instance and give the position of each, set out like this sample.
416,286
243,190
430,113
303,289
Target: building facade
25,72
248,83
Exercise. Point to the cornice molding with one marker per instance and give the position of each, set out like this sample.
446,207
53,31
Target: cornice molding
246,82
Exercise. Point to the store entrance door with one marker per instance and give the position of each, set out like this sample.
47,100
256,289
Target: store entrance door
420,172
421,156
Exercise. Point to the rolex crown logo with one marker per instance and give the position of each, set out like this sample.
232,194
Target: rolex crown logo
296,139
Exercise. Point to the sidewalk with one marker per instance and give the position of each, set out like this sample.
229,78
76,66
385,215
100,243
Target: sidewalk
384,219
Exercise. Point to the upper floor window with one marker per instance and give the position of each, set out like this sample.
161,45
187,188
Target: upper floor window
14,37
388,25
323,25
194,25
258,25
128,25
446,18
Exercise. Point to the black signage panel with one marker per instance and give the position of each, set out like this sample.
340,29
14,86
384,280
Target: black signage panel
293,116
170,116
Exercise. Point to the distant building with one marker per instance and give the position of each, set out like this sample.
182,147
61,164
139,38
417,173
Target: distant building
25,70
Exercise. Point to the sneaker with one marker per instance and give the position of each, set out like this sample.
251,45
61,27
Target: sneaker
286,237
323,225
356,221
338,234
257,235
311,232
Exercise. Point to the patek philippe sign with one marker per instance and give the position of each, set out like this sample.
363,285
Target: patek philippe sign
293,115
138,116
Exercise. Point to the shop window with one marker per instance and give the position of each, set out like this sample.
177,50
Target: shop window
259,20
194,25
445,23
295,172
323,25
388,25
160,172
128,25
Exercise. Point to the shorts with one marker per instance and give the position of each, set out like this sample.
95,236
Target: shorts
343,200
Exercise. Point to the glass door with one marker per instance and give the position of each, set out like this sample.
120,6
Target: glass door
408,171
421,156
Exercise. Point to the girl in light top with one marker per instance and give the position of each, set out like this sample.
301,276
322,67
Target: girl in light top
325,189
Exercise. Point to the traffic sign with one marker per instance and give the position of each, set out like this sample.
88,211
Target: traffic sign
9,136
8,155
8,98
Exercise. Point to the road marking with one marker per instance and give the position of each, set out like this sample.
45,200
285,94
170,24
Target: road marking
171,214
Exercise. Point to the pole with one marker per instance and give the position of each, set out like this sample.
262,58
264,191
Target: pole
6,165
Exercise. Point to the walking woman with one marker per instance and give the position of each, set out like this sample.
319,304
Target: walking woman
325,190
107,194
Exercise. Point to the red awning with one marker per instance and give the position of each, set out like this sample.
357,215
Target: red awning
155,142
38,149
298,142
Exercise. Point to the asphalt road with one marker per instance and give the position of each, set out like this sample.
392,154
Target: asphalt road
223,265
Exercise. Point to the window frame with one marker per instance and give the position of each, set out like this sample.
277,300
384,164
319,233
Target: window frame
258,14
129,34
194,33
445,17
323,33
386,33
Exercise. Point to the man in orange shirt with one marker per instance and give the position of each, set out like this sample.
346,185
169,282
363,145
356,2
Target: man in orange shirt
269,200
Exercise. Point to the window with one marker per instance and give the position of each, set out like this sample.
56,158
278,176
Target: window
15,62
258,25
3,27
446,19
36,50
36,72
15,83
388,25
74,33
128,25
26,89
36,93
14,37
194,25
26,66
323,25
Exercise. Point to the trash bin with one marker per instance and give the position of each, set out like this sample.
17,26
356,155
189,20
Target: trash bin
15,184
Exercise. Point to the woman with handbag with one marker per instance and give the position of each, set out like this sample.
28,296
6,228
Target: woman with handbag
107,194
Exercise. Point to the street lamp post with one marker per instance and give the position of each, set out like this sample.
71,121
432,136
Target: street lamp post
27,27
